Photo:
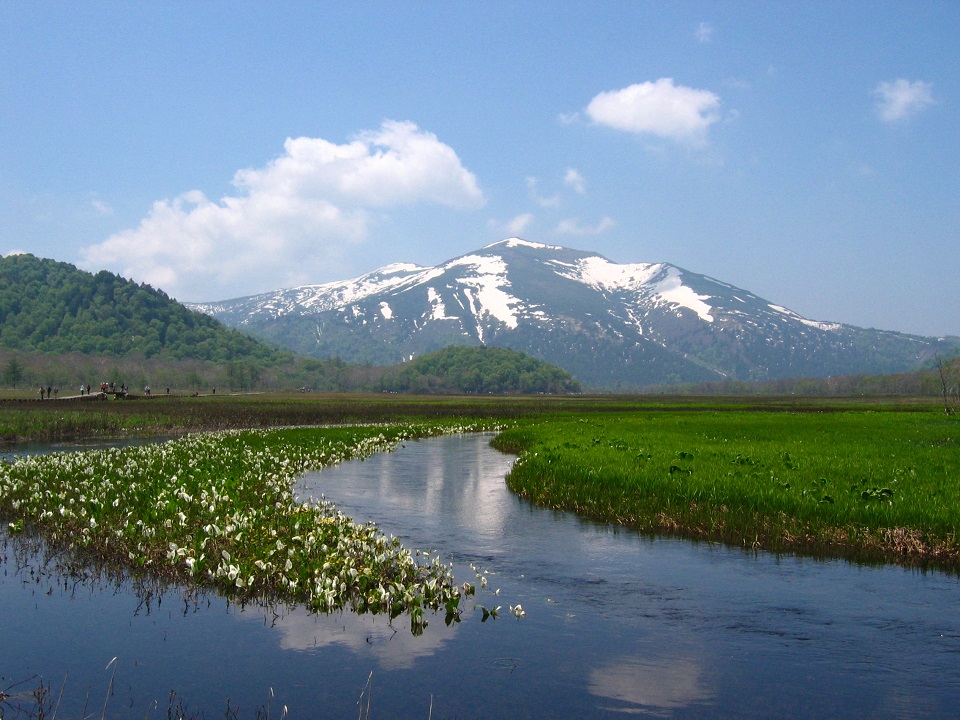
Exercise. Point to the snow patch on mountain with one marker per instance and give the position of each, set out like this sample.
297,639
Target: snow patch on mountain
488,297
672,289
520,242
827,326
438,309
656,279
600,273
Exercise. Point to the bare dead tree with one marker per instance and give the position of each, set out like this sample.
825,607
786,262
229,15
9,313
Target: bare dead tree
943,368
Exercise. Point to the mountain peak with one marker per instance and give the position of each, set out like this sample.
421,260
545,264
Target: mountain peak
610,324
513,242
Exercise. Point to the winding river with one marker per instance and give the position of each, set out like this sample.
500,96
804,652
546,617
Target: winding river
616,624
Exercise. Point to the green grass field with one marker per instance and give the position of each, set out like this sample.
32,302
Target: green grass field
870,479
857,483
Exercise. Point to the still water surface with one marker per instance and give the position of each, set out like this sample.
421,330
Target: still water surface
617,624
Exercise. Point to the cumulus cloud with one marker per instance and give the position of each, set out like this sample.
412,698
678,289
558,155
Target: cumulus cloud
574,180
902,98
659,108
573,227
289,218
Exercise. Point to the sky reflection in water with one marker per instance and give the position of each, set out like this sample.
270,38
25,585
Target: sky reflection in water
617,623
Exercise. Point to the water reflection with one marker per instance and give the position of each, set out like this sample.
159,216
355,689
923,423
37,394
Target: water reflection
650,686
616,623
392,645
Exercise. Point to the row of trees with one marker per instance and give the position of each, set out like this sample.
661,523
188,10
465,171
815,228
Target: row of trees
454,370
940,376
28,371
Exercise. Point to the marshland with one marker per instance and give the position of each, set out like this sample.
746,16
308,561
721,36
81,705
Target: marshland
638,517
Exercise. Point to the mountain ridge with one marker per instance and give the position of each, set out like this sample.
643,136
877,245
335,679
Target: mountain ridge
611,325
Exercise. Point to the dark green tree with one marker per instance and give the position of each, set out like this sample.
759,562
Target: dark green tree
13,373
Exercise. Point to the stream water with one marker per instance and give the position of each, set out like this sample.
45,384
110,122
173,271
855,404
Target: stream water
616,623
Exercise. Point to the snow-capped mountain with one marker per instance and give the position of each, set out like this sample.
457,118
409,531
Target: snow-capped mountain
611,325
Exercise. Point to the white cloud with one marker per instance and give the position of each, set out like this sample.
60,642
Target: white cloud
573,227
573,179
514,227
657,108
552,201
101,207
520,223
291,218
704,32
901,98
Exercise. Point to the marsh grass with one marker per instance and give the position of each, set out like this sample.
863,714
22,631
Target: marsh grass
866,485
217,510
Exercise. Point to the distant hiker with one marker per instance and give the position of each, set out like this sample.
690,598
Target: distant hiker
82,388
168,391
88,388
49,393
146,390
41,393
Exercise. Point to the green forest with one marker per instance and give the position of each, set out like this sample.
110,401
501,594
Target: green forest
465,369
52,307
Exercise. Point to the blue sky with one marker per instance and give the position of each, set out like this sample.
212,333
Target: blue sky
806,151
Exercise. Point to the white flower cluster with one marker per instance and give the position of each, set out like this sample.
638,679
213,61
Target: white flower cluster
218,509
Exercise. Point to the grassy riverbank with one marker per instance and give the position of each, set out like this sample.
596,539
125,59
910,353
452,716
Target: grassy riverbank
872,479
861,484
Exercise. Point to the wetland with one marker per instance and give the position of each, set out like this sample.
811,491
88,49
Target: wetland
617,618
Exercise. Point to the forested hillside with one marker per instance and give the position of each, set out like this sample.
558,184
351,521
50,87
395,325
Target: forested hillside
463,369
52,307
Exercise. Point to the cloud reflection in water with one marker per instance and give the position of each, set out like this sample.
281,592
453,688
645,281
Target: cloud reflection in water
650,686
392,646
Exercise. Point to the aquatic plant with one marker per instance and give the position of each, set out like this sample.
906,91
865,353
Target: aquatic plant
218,510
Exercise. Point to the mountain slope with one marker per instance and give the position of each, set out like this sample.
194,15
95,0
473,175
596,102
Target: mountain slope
611,325
52,307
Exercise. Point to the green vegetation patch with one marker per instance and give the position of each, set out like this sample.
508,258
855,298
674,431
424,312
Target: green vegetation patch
866,485
218,510
464,369
52,307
